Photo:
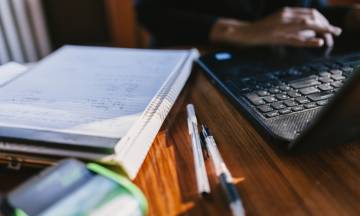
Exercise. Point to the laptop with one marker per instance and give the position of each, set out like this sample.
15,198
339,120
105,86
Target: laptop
295,99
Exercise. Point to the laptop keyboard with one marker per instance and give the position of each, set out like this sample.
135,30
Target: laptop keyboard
294,90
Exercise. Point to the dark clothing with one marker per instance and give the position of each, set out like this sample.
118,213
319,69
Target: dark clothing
178,22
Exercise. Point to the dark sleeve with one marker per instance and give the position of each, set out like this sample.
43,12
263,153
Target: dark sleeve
173,23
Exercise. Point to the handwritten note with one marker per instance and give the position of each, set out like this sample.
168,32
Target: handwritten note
90,91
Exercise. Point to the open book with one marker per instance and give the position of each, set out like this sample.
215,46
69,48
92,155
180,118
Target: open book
92,103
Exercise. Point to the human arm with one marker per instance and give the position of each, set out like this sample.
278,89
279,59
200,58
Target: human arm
289,26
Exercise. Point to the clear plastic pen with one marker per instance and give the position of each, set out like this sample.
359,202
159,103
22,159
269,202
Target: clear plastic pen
223,174
200,169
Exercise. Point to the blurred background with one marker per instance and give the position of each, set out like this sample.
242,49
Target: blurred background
30,29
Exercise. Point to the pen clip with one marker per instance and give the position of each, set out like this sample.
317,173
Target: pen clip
203,145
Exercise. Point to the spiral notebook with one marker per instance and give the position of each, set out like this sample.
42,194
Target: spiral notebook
92,103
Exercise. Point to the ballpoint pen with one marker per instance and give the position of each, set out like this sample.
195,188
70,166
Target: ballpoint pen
223,174
203,185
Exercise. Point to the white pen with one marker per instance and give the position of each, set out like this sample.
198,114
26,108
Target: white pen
203,185
223,174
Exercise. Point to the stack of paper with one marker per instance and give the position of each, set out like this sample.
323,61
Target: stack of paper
103,104
10,71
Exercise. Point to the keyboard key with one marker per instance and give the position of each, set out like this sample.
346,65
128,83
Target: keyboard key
267,85
309,90
269,99
338,77
337,84
293,94
310,105
320,96
297,108
290,103
322,103
285,111
262,93
284,88
282,97
325,74
325,87
336,72
295,89
313,76
278,105
274,90
348,69
302,100
257,87
254,99
325,80
265,108
272,114
304,83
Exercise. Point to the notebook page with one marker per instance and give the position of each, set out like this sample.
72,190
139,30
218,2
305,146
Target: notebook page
132,149
90,91
10,71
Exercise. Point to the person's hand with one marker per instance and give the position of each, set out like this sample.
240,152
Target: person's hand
353,18
300,27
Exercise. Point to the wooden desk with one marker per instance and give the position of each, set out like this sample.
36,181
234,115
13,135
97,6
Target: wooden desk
271,182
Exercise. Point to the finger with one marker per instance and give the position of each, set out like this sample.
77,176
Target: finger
292,13
319,27
311,18
307,34
329,40
321,17
302,10
299,41
317,16
306,18
308,13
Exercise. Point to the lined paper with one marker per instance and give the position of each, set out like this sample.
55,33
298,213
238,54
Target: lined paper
90,91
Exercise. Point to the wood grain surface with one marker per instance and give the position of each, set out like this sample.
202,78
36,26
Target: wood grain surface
270,181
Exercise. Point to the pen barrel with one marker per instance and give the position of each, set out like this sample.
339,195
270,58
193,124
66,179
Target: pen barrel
200,169
216,157
229,188
198,165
